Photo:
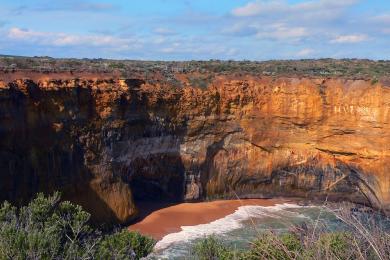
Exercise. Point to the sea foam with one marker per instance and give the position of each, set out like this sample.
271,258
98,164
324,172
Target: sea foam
229,223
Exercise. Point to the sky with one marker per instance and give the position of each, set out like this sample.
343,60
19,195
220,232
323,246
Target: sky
196,29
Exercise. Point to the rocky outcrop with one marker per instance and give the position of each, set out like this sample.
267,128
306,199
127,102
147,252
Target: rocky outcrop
112,144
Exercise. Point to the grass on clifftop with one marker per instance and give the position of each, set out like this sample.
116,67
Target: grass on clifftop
50,229
345,68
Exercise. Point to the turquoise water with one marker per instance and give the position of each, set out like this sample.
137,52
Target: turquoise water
243,226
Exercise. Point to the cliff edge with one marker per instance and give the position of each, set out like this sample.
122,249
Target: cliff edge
111,144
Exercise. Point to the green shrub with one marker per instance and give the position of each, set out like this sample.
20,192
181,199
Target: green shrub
336,245
124,244
270,246
361,236
374,81
50,229
211,248
267,246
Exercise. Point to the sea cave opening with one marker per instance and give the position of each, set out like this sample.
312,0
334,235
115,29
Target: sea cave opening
157,186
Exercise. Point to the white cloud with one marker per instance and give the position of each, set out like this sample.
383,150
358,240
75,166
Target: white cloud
21,34
90,7
160,40
145,47
292,22
168,50
281,31
350,38
380,23
383,18
260,7
259,30
231,52
63,39
66,40
240,30
305,52
313,9
66,5
324,4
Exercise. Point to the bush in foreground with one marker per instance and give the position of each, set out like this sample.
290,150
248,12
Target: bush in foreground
283,247
123,244
363,238
50,229
211,248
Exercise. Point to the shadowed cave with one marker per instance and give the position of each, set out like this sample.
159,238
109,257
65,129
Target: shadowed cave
158,179
157,182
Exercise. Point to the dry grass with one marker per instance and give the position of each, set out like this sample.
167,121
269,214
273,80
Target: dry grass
363,234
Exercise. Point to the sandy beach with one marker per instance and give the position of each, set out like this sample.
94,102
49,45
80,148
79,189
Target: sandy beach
170,218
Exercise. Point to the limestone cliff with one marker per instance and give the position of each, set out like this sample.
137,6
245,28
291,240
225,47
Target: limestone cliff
112,144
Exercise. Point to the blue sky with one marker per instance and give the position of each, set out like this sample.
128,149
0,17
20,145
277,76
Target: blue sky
196,29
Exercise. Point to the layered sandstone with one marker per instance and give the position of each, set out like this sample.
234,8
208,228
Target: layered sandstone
112,144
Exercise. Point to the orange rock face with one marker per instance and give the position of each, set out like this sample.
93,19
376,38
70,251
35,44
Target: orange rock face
112,144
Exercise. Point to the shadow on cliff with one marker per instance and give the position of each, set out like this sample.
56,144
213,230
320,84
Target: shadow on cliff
40,151
150,145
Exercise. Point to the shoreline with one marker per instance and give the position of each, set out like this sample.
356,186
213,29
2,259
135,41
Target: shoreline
169,218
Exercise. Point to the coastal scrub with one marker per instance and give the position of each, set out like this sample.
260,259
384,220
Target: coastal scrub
48,228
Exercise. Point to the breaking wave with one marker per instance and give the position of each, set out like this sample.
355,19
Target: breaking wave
229,223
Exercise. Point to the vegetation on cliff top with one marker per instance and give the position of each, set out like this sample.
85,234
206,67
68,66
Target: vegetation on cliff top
348,68
50,229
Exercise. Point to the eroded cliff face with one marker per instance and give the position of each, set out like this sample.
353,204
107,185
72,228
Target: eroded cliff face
112,144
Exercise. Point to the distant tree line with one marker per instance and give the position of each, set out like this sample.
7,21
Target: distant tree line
347,68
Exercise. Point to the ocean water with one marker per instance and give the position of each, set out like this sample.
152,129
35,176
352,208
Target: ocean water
241,227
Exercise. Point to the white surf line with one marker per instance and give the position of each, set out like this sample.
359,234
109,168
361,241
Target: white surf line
228,223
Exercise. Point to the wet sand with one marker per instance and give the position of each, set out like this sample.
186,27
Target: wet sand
168,219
